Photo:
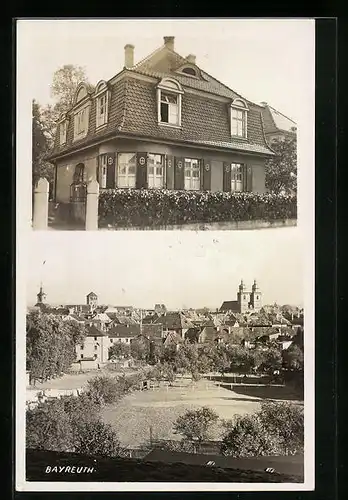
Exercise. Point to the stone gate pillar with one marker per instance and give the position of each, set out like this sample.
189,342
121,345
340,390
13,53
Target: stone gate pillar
40,215
92,206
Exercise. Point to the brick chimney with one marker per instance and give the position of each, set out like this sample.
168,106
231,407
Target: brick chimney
191,59
169,42
128,56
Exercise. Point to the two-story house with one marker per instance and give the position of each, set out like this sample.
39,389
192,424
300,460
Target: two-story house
160,123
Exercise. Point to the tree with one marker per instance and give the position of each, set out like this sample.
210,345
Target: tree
192,359
286,421
293,358
140,348
48,427
119,350
64,85
40,147
65,82
272,359
97,438
281,170
195,425
50,344
104,389
276,429
246,437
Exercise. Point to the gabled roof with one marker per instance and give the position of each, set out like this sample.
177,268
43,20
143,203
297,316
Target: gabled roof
276,121
174,321
93,331
122,331
229,305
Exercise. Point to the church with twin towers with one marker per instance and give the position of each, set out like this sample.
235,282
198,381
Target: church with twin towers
247,300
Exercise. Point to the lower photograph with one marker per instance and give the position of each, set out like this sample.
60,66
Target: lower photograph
151,361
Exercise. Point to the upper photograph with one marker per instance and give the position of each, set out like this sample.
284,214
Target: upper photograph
158,124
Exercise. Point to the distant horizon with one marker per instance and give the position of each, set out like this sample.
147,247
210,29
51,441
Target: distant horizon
179,269
211,308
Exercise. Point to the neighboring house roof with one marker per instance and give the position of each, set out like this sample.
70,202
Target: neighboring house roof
133,110
174,321
92,294
229,305
93,331
275,121
104,318
209,333
173,338
152,331
123,331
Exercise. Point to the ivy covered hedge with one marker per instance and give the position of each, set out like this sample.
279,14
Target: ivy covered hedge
146,208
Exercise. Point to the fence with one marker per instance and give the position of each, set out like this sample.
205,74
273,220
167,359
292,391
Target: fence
163,209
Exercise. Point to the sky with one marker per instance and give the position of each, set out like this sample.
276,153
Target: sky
177,268
261,59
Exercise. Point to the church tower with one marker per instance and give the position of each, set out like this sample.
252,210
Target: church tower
243,298
41,296
256,297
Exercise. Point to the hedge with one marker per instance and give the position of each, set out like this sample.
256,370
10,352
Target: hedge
146,208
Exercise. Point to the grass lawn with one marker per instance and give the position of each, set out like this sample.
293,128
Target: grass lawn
133,416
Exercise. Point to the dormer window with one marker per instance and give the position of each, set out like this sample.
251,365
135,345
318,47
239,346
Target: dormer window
81,119
169,94
189,71
63,126
102,98
239,112
169,108
81,112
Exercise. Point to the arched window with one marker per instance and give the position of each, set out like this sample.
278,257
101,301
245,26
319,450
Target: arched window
169,94
79,173
81,92
189,71
239,110
102,103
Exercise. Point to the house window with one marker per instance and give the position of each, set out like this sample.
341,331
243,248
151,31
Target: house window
81,356
169,94
102,171
95,338
236,177
126,170
81,123
95,347
192,174
169,108
111,341
155,171
102,103
239,111
62,132
189,71
238,122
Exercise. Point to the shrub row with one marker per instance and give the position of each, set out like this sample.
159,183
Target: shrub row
146,208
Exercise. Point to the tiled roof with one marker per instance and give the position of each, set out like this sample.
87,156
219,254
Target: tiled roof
122,331
275,120
230,305
174,321
133,111
152,331
92,331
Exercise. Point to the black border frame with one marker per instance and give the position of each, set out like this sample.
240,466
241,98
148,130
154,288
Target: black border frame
325,281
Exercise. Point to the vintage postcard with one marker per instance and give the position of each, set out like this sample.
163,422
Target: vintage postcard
165,255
